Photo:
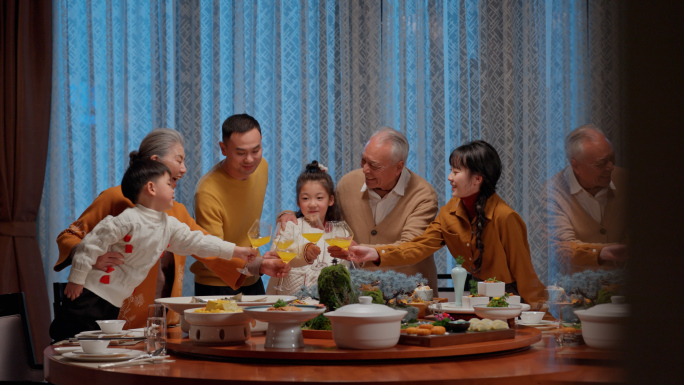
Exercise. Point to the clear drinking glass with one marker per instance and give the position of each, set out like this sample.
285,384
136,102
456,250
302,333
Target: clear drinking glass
155,332
313,230
259,234
338,233
286,246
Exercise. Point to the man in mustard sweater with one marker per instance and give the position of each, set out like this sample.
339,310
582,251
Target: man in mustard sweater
586,207
229,198
385,203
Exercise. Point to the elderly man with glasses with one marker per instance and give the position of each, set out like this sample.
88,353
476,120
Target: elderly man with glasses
586,206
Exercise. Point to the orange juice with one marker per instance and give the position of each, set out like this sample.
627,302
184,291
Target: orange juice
312,237
258,242
339,242
286,256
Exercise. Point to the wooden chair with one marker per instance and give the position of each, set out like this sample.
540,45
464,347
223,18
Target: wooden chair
18,361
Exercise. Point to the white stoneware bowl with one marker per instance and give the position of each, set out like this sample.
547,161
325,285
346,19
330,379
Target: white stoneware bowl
531,317
502,313
366,325
284,327
603,326
218,328
180,304
94,346
111,326
513,300
425,295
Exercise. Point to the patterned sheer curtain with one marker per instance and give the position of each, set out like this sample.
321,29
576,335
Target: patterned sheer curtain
320,76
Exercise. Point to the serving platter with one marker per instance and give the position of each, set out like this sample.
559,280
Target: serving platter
456,338
452,308
111,355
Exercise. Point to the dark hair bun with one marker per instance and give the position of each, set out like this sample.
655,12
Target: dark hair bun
133,157
313,167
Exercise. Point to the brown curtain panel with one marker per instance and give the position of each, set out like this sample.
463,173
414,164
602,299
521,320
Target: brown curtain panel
25,79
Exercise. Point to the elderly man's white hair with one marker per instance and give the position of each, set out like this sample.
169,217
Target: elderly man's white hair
400,145
578,136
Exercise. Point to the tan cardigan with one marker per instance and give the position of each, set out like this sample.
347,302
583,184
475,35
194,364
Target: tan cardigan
409,218
575,238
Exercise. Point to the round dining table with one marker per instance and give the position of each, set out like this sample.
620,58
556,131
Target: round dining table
539,363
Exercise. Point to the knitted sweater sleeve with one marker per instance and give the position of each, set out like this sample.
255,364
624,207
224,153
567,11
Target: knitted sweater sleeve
183,241
97,242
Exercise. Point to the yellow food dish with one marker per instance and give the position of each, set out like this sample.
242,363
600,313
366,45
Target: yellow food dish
220,306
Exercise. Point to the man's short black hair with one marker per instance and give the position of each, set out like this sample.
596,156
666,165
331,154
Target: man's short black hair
138,174
239,123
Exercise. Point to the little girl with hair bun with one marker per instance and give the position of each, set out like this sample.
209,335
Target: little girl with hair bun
315,196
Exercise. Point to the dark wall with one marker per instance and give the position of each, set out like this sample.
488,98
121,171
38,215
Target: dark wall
653,112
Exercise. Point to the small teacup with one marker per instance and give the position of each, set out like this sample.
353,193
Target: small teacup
94,346
425,295
111,326
531,317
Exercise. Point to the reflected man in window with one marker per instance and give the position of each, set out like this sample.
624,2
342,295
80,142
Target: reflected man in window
586,203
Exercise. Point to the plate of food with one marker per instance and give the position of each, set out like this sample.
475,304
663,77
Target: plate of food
180,304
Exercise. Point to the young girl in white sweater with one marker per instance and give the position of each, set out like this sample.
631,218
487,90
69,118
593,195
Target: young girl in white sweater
315,196
141,234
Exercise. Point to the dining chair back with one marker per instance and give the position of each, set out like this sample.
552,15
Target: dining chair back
18,361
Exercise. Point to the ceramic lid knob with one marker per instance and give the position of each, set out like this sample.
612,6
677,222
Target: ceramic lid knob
365,300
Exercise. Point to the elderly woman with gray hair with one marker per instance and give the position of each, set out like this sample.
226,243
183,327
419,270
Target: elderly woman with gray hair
165,280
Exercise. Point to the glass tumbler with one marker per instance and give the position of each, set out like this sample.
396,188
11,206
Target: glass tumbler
155,332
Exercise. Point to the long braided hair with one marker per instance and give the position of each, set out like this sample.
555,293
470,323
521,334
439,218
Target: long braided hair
479,157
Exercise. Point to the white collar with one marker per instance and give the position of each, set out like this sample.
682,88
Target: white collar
400,187
574,185
148,212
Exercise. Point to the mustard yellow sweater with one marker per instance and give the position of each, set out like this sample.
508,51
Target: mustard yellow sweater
226,207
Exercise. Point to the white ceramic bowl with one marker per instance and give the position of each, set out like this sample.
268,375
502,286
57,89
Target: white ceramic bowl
502,313
94,346
180,304
532,317
218,328
494,289
513,300
111,326
603,326
465,301
425,295
366,325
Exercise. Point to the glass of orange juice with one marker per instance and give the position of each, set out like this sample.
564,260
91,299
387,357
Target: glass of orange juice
286,246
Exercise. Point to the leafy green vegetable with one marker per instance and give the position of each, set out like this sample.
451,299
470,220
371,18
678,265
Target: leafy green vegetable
321,322
499,301
492,280
460,260
473,286
279,303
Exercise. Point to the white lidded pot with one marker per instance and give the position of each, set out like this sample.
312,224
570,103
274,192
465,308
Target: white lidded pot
366,325
603,325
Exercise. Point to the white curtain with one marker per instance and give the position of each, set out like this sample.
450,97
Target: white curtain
320,76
